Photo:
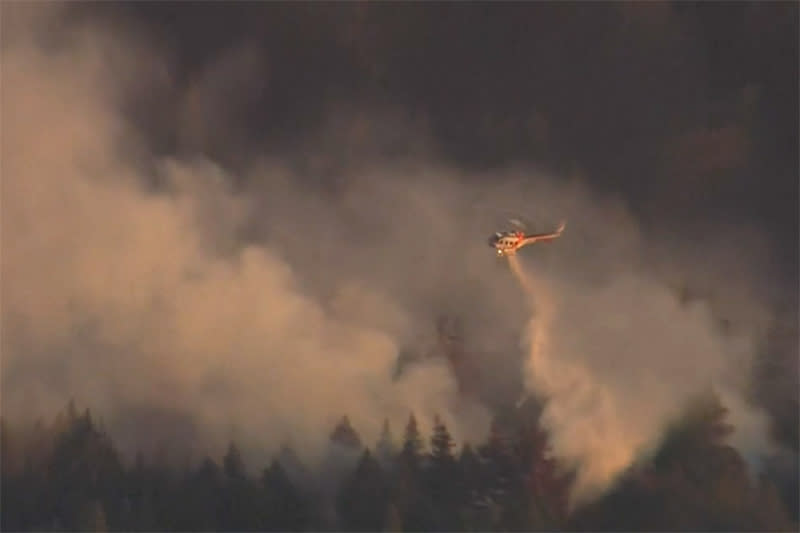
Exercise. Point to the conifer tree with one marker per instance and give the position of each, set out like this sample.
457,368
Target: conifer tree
141,496
232,463
340,459
202,491
344,435
441,444
294,468
496,457
412,441
505,474
364,498
285,507
385,448
408,482
442,479
469,474
240,505
83,466
548,488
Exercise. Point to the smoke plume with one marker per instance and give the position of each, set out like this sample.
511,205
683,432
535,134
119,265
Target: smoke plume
617,363
132,300
182,298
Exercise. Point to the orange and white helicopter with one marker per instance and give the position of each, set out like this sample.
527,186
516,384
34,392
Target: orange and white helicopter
508,242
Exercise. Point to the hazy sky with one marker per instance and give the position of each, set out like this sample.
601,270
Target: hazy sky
225,213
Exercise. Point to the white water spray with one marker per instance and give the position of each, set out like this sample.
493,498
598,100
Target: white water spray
580,413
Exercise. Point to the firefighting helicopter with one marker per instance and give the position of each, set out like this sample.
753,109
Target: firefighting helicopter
508,242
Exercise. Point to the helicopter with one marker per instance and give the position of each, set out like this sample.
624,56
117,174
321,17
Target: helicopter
508,242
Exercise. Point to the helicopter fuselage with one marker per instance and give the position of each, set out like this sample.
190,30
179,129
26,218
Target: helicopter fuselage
508,242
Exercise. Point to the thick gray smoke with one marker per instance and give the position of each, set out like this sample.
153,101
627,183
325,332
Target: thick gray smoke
131,300
261,306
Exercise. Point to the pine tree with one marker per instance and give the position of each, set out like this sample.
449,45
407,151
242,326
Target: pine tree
295,470
703,429
285,507
408,482
364,498
140,497
344,435
441,444
469,474
201,497
385,449
548,488
412,441
72,412
233,464
496,459
84,466
442,479
471,494
505,474
341,458
239,505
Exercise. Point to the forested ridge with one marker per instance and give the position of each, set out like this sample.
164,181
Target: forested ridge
68,475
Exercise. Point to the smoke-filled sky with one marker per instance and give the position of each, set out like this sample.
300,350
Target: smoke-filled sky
225,221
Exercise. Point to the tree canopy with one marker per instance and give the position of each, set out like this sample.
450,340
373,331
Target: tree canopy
67,475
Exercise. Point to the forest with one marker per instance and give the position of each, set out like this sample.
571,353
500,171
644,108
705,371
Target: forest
68,475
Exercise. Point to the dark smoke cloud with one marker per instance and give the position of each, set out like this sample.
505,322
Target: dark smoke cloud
515,83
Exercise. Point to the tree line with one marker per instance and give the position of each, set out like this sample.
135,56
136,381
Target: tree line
68,475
